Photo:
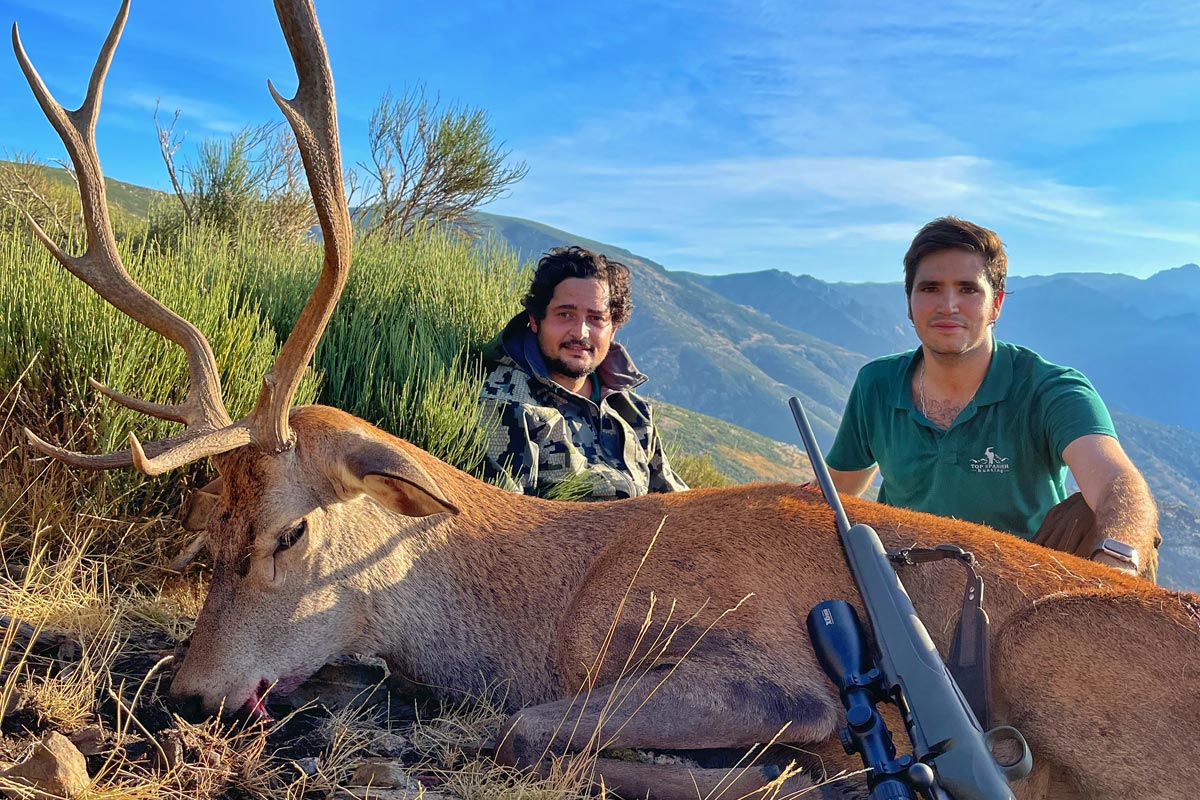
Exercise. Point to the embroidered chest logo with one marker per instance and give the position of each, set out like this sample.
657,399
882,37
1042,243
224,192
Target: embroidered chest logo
990,462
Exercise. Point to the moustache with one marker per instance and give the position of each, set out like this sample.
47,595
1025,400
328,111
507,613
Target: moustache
584,343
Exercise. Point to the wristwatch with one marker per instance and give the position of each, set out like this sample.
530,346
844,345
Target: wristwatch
1119,551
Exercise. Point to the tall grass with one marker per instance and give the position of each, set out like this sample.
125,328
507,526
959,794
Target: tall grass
55,332
401,349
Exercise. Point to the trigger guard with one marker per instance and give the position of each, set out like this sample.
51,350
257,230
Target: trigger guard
1024,764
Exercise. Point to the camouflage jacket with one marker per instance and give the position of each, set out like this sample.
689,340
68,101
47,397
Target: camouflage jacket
544,434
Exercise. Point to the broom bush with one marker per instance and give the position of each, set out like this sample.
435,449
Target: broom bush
402,348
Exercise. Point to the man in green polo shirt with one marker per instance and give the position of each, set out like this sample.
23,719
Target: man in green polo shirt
970,427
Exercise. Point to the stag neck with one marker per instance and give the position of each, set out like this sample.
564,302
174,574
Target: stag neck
453,638
533,556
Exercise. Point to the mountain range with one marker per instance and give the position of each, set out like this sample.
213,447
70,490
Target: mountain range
725,352
736,346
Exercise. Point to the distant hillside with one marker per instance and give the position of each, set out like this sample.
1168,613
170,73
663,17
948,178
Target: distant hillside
1169,457
1179,558
130,197
734,346
741,454
836,313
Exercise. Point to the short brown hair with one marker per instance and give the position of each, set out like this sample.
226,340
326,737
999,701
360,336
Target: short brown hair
561,263
952,233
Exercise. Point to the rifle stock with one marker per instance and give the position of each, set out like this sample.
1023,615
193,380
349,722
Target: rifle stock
944,731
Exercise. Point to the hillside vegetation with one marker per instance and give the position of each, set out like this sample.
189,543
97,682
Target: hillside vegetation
741,454
84,553
129,197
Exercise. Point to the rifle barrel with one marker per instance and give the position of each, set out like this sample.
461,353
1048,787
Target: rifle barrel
820,470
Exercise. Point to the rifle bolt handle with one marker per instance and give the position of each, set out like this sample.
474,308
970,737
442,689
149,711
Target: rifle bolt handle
921,776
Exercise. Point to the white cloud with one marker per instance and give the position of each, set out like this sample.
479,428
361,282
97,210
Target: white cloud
196,114
780,211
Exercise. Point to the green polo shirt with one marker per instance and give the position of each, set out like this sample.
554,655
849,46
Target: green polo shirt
999,464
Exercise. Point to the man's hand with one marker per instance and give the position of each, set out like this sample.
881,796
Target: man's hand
1118,494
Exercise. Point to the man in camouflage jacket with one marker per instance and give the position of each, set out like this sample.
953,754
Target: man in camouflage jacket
560,391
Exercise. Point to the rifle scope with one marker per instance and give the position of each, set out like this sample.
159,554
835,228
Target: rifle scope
842,649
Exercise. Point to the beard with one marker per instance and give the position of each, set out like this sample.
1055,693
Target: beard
558,366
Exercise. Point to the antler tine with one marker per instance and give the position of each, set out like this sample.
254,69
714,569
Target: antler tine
159,410
100,266
313,117
156,457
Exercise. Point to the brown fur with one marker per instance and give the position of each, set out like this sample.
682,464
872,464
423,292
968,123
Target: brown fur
1098,669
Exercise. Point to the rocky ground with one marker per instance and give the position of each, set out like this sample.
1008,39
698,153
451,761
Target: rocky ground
349,705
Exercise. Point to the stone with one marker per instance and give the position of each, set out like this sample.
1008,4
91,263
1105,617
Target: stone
390,745
309,765
169,754
89,740
55,769
384,774
14,702
347,682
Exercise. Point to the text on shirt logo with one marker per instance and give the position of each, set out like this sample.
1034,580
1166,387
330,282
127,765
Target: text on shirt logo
990,462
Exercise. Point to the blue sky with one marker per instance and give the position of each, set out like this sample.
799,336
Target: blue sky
813,137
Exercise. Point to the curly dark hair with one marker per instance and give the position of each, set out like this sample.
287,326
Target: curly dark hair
561,263
952,233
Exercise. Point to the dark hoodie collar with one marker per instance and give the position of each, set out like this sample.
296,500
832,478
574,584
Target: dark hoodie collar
616,372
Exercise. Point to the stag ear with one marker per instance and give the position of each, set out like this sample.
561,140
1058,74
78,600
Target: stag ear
395,480
194,512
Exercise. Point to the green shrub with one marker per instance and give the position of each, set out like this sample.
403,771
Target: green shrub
55,332
401,348
699,471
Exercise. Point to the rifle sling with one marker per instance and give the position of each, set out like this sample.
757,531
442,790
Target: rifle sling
969,655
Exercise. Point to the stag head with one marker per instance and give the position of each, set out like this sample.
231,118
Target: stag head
286,592
305,544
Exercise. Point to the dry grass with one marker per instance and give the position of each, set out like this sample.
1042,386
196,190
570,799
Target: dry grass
65,698
85,595
58,591
48,507
449,742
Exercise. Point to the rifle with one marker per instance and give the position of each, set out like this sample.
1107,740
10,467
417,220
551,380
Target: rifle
951,757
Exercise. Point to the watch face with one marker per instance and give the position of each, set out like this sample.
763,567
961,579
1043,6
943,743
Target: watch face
1119,549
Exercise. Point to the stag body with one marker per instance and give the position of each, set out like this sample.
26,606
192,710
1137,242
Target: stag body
520,594
330,536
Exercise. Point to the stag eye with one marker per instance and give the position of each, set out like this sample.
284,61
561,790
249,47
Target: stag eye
290,537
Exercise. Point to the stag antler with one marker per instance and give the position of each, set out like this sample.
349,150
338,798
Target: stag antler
313,116
210,431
